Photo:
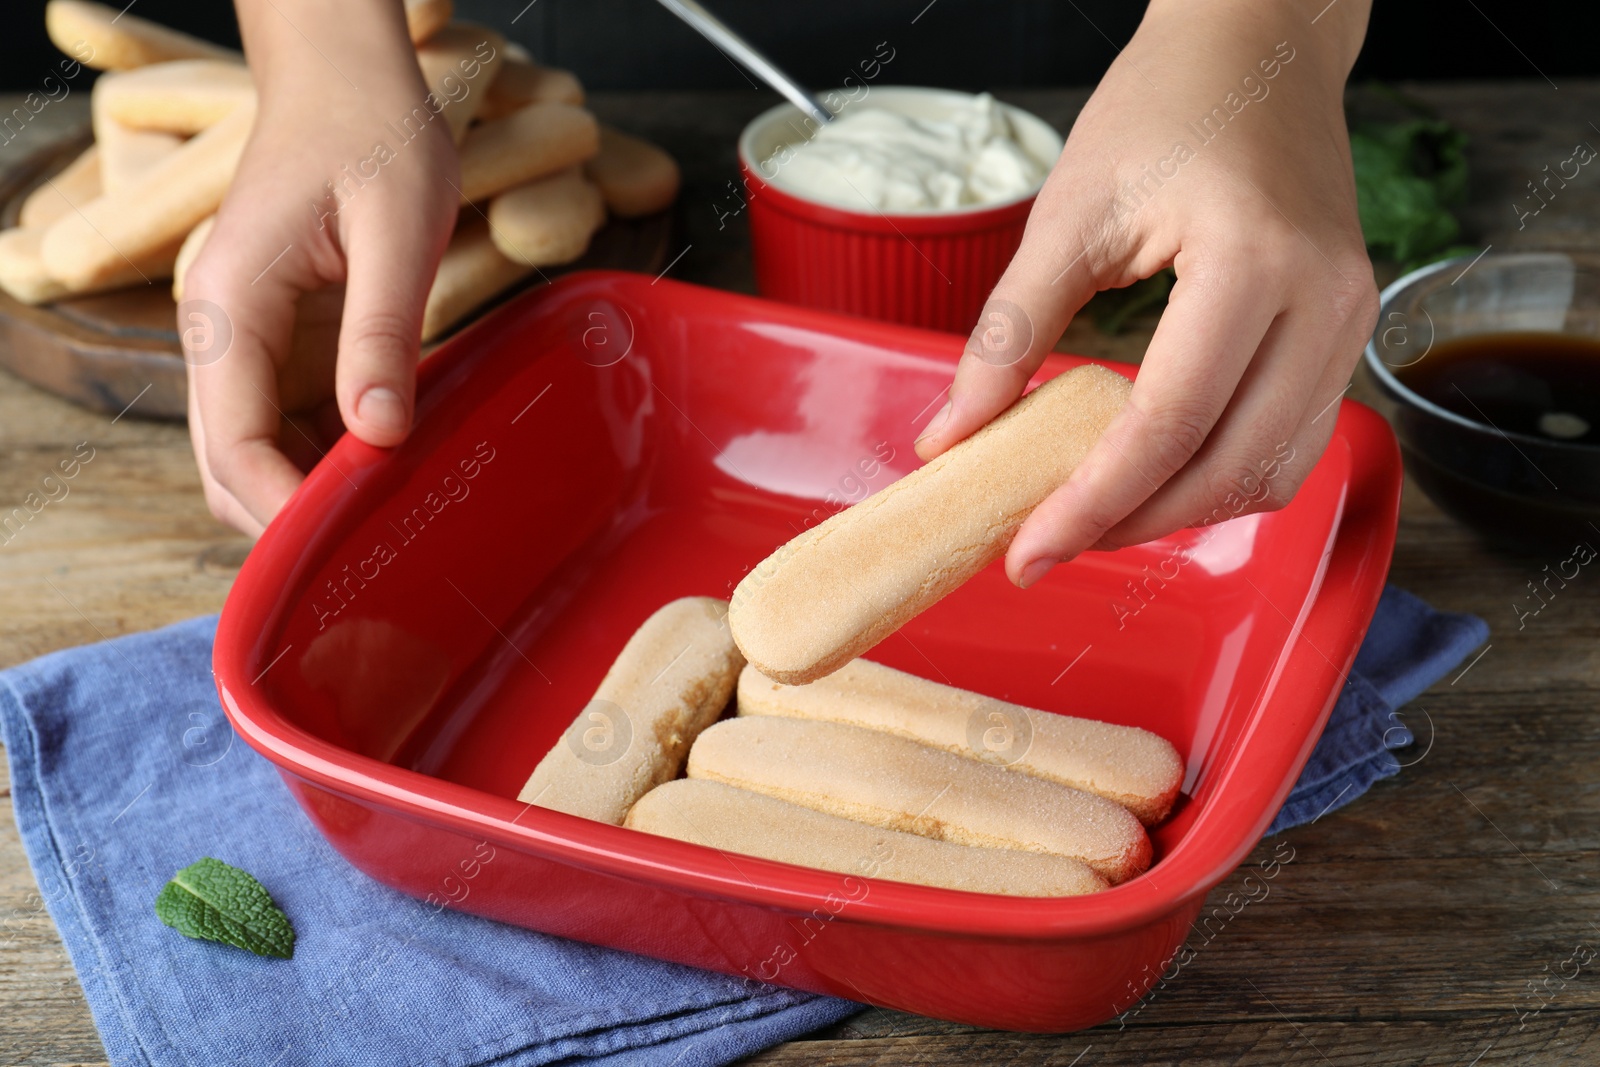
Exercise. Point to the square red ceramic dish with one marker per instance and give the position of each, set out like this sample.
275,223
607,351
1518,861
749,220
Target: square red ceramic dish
418,627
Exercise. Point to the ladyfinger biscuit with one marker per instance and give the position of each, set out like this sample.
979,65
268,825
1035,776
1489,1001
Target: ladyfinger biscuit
24,276
76,185
188,252
116,40
458,65
635,177
424,18
521,82
533,142
182,97
126,154
883,780
471,271
737,820
671,681
1136,768
22,272
549,221
154,213
844,585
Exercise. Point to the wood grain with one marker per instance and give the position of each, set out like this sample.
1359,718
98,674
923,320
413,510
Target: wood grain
1407,927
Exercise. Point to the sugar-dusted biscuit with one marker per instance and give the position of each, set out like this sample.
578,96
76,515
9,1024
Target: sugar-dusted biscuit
22,271
672,679
76,184
105,38
126,154
842,586
521,81
25,277
737,820
1136,768
883,780
151,215
181,97
531,142
635,177
549,221
458,65
472,271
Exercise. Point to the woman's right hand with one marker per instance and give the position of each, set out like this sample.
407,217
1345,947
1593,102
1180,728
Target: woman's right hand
335,215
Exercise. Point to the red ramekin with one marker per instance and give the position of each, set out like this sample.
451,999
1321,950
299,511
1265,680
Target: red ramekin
932,269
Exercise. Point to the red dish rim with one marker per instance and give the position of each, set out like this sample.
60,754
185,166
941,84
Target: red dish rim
1357,557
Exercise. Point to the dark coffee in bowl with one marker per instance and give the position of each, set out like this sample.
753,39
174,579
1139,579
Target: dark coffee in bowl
1544,385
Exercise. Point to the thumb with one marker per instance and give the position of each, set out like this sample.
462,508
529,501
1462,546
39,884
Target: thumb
390,267
1047,281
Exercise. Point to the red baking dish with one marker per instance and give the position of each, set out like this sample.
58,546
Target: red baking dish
419,625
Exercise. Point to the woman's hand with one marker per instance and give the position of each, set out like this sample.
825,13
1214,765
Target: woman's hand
294,257
1216,144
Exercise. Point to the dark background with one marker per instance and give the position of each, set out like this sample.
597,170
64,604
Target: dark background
968,44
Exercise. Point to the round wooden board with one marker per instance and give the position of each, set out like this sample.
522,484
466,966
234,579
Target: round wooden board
108,350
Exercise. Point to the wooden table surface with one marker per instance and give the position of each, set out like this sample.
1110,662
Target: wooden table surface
1430,922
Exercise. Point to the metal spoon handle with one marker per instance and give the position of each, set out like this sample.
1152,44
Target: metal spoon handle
717,32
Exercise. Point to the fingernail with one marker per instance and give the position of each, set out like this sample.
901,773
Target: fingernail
934,423
1034,571
382,409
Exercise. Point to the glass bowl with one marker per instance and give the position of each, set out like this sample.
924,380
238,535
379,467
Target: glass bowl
1515,488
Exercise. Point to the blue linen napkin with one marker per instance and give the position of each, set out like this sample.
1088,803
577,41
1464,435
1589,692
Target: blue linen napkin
1408,647
123,770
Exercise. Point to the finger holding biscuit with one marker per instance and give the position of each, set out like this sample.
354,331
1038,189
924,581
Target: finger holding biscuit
885,560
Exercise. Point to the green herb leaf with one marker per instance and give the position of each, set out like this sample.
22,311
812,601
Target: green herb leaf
211,900
1408,175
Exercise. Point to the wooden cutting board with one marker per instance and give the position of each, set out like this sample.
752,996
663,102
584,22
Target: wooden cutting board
109,350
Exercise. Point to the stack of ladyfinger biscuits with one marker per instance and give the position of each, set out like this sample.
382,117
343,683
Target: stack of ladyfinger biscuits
868,771
839,763
171,115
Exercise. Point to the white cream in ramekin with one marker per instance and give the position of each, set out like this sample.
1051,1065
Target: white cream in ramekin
914,151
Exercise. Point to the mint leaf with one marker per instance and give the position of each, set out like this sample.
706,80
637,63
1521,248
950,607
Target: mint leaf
210,900
1408,177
